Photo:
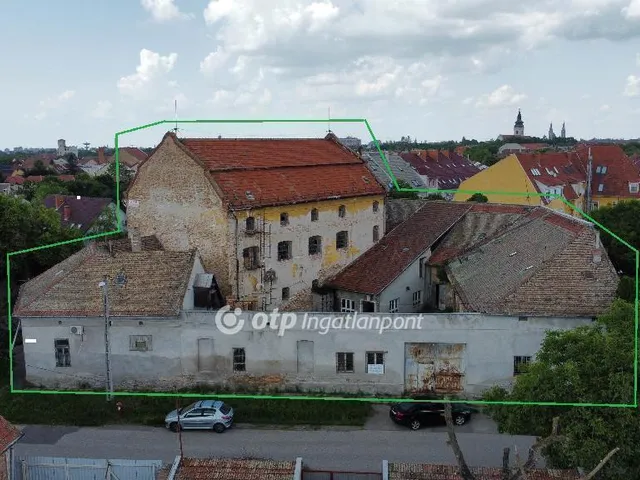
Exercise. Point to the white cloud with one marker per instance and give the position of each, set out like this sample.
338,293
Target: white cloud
102,109
53,103
501,97
632,10
632,88
467,101
162,10
214,61
605,108
152,65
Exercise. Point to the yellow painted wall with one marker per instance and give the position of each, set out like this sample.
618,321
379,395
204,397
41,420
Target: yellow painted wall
507,175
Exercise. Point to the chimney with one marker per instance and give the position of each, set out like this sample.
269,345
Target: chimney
136,241
597,251
66,213
101,159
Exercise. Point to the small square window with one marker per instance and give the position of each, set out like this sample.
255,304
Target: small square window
344,362
342,239
417,297
520,364
315,245
284,219
239,360
376,207
393,306
347,305
375,363
285,293
284,251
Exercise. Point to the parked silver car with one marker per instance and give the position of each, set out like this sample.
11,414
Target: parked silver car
202,415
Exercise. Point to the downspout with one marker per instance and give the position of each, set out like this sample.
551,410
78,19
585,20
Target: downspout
236,257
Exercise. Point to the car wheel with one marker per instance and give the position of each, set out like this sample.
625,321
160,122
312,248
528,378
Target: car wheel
460,420
219,428
415,425
173,427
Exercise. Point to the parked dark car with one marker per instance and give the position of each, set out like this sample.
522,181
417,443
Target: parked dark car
415,415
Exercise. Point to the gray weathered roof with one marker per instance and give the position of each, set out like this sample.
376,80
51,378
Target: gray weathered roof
399,167
156,283
397,210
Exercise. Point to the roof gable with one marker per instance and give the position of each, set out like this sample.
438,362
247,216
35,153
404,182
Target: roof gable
9,434
82,211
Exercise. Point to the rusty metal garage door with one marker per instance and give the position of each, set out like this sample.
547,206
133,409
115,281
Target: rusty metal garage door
434,367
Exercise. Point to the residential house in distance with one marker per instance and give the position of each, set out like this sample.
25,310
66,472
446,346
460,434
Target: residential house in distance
87,214
272,218
95,166
443,170
509,148
400,169
484,258
130,158
164,334
613,178
9,436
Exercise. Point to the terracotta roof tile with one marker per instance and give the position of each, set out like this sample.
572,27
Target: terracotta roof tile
9,434
234,469
375,269
156,283
397,210
15,180
34,178
450,169
404,471
267,172
620,170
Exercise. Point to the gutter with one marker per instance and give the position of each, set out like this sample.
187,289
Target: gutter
174,468
236,256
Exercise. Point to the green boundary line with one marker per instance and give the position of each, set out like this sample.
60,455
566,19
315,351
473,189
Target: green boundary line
397,187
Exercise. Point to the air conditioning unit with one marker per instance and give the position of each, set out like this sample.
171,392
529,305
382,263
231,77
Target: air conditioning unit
77,330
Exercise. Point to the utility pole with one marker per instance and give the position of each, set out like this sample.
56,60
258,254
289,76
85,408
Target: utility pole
179,428
107,350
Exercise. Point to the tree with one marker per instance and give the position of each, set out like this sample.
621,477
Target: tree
397,194
478,197
39,168
622,220
593,364
72,164
109,179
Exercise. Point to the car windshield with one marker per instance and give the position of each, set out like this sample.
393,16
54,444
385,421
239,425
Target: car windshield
225,408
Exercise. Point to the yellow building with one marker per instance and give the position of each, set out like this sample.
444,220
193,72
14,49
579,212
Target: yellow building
270,218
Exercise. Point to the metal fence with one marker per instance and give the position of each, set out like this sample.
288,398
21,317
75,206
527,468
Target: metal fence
60,468
327,475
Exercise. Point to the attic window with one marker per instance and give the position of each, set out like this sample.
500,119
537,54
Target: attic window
375,206
633,188
365,179
249,195
284,219
604,169
314,214
601,187
342,210
250,224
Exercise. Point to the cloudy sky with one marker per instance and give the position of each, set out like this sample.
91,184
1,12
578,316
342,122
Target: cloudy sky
433,69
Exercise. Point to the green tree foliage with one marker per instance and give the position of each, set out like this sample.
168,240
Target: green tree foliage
72,164
434,196
26,225
627,289
623,220
590,364
39,168
397,194
109,179
478,197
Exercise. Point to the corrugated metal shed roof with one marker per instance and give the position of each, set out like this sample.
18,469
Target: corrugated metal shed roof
61,468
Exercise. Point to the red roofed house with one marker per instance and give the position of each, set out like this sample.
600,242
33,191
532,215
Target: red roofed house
270,217
527,178
130,158
9,436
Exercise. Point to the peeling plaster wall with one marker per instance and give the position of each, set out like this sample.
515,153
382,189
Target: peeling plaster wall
271,359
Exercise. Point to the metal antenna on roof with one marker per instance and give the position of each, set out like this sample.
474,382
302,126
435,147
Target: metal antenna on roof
175,110
329,122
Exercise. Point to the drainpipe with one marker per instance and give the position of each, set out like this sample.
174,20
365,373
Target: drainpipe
236,257
297,474
385,469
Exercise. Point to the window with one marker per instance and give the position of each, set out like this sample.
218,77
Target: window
417,297
239,360
604,169
342,210
347,305
63,353
315,245
598,169
375,363
285,293
393,306
284,219
314,215
633,188
601,187
251,258
422,267
376,205
342,239
376,233
523,319
250,224
139,343
284,251
344,362
595,205
519,364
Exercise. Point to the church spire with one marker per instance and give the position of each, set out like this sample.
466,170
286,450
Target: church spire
518,126
563,132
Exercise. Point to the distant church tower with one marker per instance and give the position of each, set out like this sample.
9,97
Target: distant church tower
552,135
518,127
563,132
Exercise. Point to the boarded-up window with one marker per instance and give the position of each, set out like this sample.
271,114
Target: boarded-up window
344,362
342,239
239,360
140,343
251,257
375,363
63,352
284,251
520,364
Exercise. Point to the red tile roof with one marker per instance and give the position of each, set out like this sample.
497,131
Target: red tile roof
9,434
234,469
135,152
267,172
35,178
404,471
375,269
449,168
534,146
620,170
66,178
15,180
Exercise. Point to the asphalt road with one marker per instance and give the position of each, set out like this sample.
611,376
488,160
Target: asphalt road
334,448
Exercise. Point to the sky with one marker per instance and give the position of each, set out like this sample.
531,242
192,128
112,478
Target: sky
434,70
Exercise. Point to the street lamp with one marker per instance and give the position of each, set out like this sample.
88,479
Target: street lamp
120,280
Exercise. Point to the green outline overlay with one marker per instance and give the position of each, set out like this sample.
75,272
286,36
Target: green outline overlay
395,183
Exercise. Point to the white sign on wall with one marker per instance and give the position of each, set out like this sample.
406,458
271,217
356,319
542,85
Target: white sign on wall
132,203
375,369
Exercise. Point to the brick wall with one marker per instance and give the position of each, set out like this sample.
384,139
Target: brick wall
4,474
172,198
